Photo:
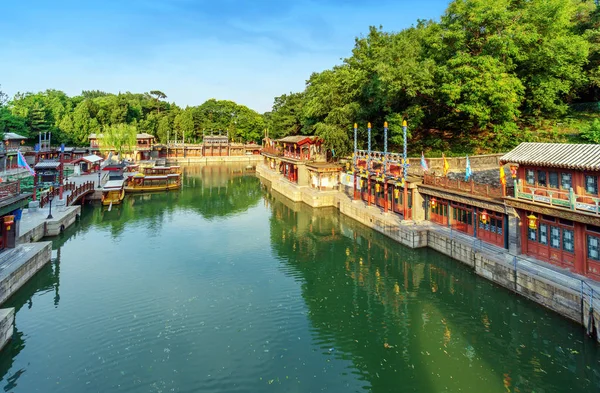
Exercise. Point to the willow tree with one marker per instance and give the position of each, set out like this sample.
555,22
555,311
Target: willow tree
120,138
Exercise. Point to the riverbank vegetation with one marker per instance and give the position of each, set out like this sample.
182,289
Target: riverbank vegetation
73,119
485,77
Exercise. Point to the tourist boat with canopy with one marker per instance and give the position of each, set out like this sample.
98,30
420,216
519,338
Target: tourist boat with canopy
162,170
147,183
113,192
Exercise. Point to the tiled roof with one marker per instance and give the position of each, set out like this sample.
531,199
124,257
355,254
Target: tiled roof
557,155
47,165
297,138
12,135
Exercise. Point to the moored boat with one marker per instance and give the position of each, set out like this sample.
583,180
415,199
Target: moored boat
113,192
143,183
162,170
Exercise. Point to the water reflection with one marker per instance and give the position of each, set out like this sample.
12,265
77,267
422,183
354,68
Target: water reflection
47,280
415,320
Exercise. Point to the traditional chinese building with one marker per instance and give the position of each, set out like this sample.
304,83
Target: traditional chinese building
88,164
13,141
556,197
379,182
290,155
215,145
472,208
141,150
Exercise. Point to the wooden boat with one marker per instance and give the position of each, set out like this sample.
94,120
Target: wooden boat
113,192
162,170
142,183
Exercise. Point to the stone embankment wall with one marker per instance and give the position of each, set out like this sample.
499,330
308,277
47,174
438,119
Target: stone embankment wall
28,260
7,322
546,288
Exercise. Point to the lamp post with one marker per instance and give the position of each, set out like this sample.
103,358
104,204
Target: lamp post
50,198
99,173
405,170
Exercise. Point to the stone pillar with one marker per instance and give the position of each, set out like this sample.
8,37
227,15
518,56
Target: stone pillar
419,206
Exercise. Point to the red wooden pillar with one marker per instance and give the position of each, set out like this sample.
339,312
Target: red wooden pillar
385,196
405,204
368,190
580,248
355,184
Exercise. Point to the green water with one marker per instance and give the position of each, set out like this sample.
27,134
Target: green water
223,287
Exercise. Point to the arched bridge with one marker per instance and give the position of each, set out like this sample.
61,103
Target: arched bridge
72,192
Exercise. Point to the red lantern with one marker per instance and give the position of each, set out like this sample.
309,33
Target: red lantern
433,203
484,217
513,171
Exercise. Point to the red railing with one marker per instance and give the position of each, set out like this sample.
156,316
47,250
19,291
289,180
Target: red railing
471,187
10,189
77,192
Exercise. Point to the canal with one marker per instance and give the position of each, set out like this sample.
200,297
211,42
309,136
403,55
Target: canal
225,287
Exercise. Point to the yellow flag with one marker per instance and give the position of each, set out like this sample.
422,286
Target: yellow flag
502,176
446,165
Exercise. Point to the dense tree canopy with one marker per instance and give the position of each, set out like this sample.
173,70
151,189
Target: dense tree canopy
471,82
73,119
485,77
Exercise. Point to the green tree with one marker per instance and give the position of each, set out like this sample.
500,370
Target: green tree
119,137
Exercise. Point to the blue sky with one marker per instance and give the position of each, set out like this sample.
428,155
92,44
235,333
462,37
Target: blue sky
193,50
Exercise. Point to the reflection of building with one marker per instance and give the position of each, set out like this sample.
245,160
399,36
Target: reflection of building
557,199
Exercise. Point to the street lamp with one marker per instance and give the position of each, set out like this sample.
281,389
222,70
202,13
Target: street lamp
50,198
99,173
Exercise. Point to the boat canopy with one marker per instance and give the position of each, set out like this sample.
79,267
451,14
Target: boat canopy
113,185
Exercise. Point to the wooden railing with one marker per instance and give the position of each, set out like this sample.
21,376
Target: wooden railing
272,150
470,187
9,189
558,198
77,192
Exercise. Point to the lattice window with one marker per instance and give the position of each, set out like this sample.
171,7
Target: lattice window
555,237
593,247
565,181
532,234
542,179
530,176
553,179
543,233
591,184
568,240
